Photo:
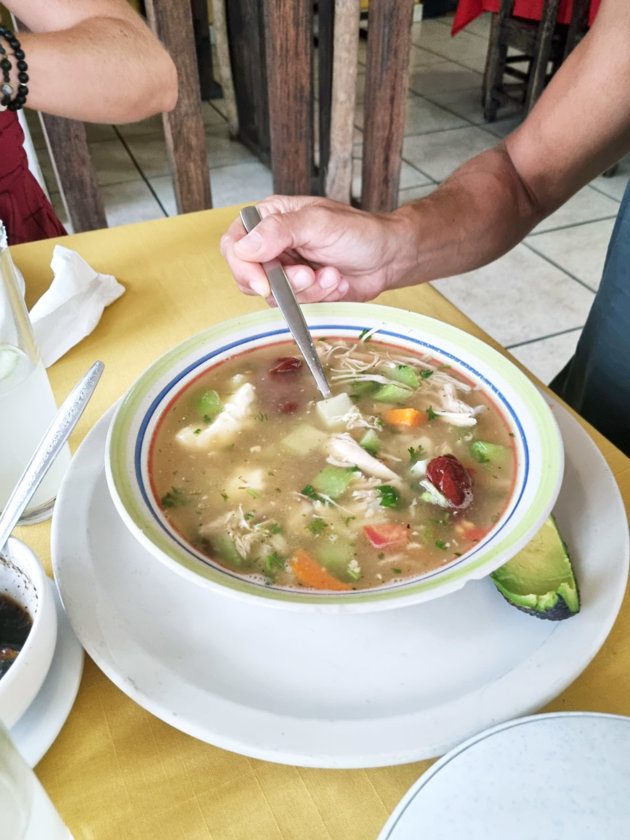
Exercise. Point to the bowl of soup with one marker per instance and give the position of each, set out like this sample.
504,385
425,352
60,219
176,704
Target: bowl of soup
28,629
435,460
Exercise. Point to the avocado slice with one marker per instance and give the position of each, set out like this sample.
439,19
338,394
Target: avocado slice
539,579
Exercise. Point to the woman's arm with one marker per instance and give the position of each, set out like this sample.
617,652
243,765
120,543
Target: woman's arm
94,60
579,127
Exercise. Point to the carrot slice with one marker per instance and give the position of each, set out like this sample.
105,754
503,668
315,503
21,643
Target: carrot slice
311,573
404,417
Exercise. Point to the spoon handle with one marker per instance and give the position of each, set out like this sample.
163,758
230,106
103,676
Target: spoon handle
47,450
287,304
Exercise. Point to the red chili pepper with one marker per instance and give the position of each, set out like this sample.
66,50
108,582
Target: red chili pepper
452,479
285,364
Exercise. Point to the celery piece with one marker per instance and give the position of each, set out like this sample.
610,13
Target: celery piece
208,404
226,548
337,557
391,394
404,374
484,452
370,442
332,481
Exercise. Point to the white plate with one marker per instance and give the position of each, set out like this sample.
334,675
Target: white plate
564,776
331,690
38,727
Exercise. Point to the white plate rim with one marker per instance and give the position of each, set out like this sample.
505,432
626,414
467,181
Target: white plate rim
289,748
389,830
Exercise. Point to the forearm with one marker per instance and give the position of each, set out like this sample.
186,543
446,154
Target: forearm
481,211
100,68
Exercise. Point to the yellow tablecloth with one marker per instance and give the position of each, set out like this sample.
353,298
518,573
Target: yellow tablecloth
115,771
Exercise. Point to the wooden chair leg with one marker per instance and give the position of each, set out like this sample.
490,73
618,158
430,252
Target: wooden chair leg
386,83
538,71
289,49
495,61
338,182
225,65
183,126
70,156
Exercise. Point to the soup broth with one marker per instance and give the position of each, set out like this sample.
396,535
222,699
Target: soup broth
403,470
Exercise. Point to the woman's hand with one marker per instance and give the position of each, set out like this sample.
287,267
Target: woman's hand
330,251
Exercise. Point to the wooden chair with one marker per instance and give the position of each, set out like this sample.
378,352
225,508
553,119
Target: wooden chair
539,48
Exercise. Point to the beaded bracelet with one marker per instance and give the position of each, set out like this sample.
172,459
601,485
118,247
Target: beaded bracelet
8,101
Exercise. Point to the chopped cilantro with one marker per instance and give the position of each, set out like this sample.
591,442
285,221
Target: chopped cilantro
274,561
389,495
249,515
364,335
440,544
262,416
174,498
317,525
415,453
430,413
252,493
224,496
197,432
311,493
425,374
397,571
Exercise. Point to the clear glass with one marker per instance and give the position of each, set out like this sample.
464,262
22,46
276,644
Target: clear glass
27,404
26,812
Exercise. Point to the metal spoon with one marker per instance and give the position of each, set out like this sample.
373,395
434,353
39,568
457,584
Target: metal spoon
290,308
47,450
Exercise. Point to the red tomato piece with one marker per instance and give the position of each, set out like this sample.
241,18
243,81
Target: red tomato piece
285,364
385,534
452,479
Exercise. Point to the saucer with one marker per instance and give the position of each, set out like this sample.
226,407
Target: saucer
40,724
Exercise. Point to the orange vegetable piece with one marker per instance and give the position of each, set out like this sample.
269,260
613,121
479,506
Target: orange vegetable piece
404,417
311,573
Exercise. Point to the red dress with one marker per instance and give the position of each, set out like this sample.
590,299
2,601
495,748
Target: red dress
24,208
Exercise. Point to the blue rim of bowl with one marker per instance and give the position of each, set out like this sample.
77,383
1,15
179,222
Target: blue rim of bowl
126,464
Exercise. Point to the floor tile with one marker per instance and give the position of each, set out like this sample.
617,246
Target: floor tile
579,250
442,76
586,205
438,154
546,356
519,297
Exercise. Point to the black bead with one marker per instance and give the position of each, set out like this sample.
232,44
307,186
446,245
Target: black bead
5,64
19,54
22,65
23,77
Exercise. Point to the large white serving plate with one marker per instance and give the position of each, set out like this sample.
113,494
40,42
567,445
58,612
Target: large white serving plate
331,690
563,775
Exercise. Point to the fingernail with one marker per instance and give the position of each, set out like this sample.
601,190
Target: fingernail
342,288
300,280
261,287
250,243
328,278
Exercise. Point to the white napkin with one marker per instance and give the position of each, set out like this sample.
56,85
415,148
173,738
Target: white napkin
73,304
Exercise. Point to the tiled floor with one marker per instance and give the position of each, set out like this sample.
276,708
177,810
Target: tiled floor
534,300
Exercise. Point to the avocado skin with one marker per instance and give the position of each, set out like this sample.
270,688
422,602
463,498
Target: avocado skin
558,612
554,604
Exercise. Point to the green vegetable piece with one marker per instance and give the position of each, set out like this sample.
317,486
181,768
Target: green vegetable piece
539,579
391,394
404,374
337,557
484,452
371,442
333,481
390,497
209,405
361,387
227,551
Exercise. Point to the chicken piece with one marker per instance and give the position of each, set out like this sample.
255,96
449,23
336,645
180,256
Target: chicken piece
347,452
237,414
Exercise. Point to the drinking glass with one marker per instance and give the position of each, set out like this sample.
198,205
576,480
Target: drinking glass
27,404
26,811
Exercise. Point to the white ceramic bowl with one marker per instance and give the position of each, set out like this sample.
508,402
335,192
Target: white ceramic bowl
23,578
537,440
